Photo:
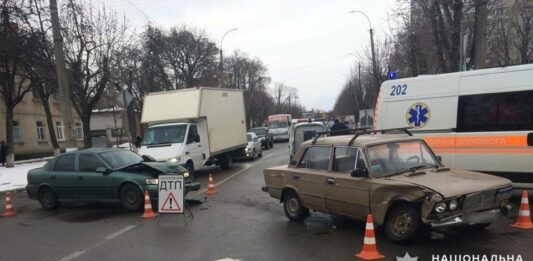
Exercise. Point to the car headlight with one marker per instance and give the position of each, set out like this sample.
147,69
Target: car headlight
152,181
440,207
174,160
248,149
453,204
186,174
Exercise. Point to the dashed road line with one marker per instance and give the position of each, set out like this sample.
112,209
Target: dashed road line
72,256
120,232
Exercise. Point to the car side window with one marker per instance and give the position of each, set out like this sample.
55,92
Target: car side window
360,164
65,163
344,159
303,160
89,163
193,133
317,158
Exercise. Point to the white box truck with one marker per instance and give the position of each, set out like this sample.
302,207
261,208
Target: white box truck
196,127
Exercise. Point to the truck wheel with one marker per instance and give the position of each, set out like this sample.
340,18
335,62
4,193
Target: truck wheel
226,161
131,197
403,224
293,207
190,168
48,198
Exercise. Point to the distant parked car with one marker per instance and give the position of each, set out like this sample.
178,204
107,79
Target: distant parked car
101,175
253,148
266,138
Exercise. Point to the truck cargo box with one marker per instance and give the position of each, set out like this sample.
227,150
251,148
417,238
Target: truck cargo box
223,110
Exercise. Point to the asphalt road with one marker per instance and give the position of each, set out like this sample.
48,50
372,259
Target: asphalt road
239,222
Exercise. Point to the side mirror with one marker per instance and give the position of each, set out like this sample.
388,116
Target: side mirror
360,172
439,158
102,170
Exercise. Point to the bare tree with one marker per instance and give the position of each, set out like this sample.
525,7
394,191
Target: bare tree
91,41
190,55
14,83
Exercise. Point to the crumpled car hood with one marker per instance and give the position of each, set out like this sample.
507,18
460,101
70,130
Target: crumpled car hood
454,182
163,168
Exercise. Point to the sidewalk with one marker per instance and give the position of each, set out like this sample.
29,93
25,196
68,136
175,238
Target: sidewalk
15,178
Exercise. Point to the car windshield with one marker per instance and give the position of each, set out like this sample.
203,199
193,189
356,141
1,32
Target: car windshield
249,137
121,158
259,132
399,157
278,124
164,135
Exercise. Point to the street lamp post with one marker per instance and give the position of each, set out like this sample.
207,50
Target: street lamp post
221,64
374,64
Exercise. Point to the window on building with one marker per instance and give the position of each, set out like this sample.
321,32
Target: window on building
59,131
508,111
40,131
78,128
17,136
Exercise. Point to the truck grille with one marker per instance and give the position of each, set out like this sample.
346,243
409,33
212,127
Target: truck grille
480,200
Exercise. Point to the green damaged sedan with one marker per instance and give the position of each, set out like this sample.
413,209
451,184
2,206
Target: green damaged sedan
101,175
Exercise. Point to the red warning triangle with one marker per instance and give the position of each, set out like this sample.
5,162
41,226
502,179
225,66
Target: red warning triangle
171,204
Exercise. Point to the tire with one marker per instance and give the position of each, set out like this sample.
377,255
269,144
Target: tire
131,197
260,155
403,224
292,205
190,168
254,156
48,198
226,161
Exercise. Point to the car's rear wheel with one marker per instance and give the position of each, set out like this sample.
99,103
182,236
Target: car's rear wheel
48,198
403,224
131,197
293,207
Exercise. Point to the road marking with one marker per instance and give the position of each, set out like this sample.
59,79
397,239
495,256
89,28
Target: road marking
228,259
120,232
230,177
107,238
72,256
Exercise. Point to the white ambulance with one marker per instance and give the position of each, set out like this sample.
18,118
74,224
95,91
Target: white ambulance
477,120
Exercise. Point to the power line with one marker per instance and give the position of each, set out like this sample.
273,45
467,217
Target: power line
146,16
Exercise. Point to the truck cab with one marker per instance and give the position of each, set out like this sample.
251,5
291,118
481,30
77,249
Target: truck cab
180,143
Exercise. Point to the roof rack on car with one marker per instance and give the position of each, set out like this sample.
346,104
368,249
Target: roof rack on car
383,131
345,131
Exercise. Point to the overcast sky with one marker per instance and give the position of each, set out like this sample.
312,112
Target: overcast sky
303,43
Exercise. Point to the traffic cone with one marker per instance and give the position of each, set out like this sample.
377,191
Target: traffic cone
370,250
9,211
211,186
524,217
148,212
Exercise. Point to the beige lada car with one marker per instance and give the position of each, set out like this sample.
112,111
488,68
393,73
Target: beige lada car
395,177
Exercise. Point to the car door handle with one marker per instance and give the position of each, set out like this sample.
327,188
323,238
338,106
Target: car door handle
295,176
80,178
330,180
53,177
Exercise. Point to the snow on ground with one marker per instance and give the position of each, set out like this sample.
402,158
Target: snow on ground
15,178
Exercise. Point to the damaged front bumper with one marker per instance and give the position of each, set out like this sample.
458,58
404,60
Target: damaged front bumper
471,218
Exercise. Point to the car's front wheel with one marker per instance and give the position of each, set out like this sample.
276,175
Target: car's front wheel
293,207
48,198
131,197
403,224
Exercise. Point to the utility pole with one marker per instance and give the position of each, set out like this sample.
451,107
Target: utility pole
480,31
64,88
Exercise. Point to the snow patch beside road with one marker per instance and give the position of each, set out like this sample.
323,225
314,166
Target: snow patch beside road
15,178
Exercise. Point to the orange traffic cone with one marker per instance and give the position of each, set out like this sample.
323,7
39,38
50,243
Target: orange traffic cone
9,212
524,217
148,212
370,250
211,186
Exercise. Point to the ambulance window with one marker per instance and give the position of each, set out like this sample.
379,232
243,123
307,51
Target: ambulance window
509,111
